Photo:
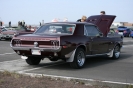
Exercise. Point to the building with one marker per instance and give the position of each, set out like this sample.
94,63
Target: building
122,24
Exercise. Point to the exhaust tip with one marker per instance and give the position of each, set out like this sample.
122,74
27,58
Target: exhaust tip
24,57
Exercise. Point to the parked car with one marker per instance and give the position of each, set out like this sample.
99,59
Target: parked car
127,32
113,33
131,34
122,30
9,34
2,29
69,41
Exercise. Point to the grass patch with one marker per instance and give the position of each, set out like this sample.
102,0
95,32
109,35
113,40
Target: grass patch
15,80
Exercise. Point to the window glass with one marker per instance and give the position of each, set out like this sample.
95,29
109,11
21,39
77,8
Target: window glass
91,30
57,29
111,31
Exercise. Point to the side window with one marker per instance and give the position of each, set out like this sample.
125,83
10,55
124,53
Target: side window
91,30
112,31
85,31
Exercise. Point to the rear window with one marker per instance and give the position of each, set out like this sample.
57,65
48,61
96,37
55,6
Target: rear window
57,29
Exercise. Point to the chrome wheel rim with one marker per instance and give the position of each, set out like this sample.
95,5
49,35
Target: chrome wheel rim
117,51
81,58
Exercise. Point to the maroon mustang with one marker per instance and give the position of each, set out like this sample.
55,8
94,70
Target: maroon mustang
69,41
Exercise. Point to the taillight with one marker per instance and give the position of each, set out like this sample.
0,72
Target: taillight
16,42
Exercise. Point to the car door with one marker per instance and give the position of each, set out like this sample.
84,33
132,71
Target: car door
98,44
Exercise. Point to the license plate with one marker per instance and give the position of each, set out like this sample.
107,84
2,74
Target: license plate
36,52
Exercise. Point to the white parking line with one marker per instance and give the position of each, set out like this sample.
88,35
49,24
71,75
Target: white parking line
127,46
128,41
40,67
7,53
9,61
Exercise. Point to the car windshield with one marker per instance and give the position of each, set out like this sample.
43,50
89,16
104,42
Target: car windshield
56,29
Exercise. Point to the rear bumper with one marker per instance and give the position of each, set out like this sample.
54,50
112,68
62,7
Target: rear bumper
52,49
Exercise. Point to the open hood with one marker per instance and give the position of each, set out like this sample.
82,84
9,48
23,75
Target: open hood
102,21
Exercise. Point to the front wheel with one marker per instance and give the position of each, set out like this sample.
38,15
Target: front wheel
33,60
79,59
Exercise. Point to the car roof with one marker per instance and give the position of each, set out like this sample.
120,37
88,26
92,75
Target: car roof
70,23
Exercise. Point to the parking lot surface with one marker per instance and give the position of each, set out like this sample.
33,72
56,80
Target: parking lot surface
97,68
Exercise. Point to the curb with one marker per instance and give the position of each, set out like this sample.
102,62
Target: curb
84,81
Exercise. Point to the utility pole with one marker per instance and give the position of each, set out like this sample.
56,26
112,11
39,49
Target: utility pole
42,22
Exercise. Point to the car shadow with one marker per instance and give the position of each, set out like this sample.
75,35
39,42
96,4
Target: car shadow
90,63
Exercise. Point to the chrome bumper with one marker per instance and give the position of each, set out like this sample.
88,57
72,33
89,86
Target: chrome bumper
52,49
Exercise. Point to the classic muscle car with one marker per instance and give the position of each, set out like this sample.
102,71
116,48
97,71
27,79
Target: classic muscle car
113,33
69,41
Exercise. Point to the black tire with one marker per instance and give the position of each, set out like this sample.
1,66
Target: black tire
33,60
79,59
116,52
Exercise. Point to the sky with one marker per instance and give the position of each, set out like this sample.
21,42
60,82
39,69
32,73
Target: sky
34,11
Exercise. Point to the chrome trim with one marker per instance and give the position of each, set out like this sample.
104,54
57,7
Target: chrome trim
96,55
41,49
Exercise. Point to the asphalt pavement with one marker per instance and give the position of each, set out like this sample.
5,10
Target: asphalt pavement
97,68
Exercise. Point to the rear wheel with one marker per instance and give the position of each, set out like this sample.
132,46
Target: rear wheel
79,59
33,60
116,52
